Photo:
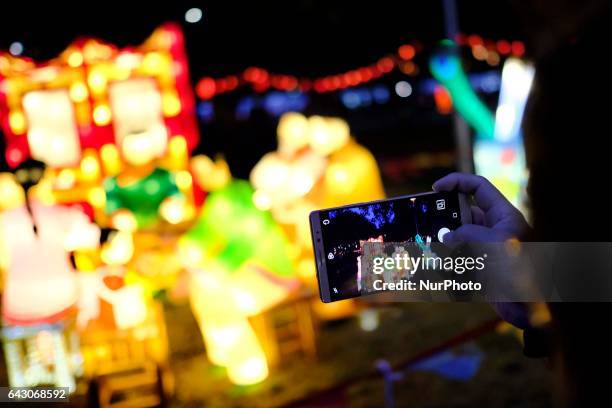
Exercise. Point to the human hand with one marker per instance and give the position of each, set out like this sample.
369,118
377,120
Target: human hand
494,218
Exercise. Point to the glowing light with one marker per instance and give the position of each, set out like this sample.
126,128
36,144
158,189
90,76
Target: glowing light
406,52
173,209
171,104
183,180
515,86
443,100
409,68
75,59
301,182
177,147
480,52
97,81
193,15
403,89
128,60
503,47
65,179
16,48
328,134
152,187
339,174
206,88
14,156
385,64
52,133
97,197
153,61
124,220
78,92
191,253
250,371
208,174
90,168
445,65
292,132
262,200
110,158
518,48
504,121
17,122
368,320
11,193
128,305
32,101
102,115
492,58
270,172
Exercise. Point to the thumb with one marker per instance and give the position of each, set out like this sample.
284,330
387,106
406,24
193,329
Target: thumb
471,233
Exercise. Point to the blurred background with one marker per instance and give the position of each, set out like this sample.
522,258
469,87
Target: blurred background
158,164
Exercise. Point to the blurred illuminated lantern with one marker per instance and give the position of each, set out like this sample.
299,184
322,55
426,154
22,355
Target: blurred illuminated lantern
318,164
498,148
445,65
502,159
94,94
40,291
240,266
94,107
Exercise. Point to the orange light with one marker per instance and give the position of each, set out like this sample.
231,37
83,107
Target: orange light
443,100
408,68
206,88
474,40
385,64
406,52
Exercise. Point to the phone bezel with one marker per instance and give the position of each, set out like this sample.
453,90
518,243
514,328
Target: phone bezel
317,238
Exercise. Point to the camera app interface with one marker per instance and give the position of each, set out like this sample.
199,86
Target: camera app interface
422,219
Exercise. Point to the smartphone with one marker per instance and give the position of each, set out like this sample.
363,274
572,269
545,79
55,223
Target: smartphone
337,233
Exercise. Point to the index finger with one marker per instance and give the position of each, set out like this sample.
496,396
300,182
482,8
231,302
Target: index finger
485,193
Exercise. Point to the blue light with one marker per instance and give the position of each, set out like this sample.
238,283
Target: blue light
244,108
381,94
277,103
206,111
350,99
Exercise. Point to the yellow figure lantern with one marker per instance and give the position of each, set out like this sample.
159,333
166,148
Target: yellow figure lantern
317,165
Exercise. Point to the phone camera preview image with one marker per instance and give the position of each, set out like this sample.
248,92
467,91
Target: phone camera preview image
339,235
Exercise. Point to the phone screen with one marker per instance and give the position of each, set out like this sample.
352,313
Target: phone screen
423,219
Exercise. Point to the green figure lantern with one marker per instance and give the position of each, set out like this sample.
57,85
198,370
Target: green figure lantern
231,230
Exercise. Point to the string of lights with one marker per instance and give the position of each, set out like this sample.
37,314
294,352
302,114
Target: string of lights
261,79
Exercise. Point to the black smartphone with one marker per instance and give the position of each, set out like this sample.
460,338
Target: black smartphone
337,233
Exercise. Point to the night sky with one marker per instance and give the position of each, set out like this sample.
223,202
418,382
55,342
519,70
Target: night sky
309,38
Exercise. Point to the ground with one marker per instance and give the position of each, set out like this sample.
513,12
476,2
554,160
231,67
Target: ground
506,378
